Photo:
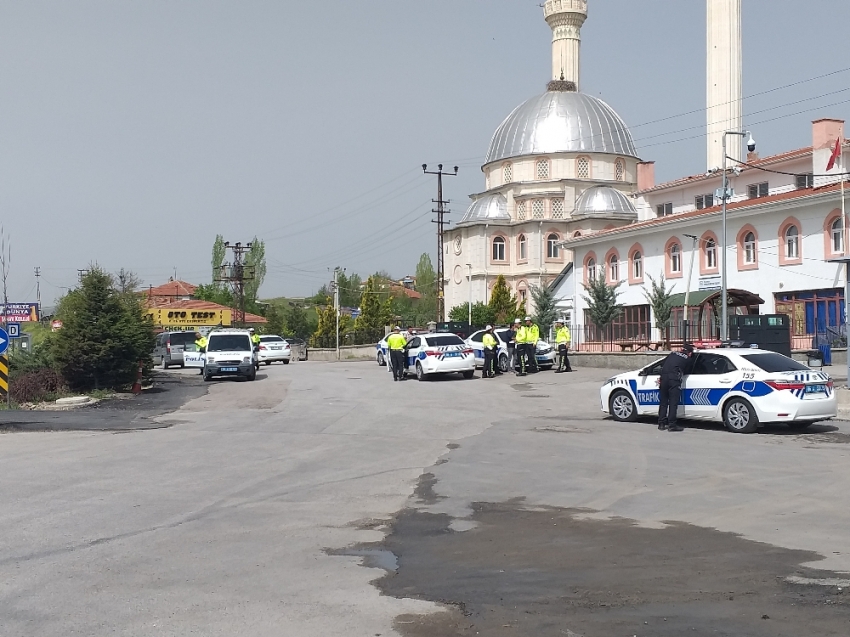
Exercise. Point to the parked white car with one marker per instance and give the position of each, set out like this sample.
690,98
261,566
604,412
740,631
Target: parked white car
274,349
741,388
431,354
230,353
545,354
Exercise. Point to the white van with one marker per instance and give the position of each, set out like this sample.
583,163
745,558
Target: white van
230,353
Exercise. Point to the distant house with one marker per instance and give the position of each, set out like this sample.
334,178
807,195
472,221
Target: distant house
172,306
171,292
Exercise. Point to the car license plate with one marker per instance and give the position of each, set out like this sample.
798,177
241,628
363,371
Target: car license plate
815,389
452,354
230,369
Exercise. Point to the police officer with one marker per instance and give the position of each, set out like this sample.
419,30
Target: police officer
670,387
396,344
201,344
255,343
520,347
562,341
490,345
532,335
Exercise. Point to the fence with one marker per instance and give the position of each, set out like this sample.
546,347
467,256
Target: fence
350,338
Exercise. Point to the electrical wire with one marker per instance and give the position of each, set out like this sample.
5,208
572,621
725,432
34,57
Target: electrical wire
780,172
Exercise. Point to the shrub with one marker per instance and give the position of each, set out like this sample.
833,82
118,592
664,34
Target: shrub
33,387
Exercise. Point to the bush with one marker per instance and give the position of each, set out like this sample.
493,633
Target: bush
23,362
37,386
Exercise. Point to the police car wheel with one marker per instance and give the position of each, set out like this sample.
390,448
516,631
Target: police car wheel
470,373
164,363
622,407
503,363
420,373
740,417
381,360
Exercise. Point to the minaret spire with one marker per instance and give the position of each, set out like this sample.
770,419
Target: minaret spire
565,18
724,78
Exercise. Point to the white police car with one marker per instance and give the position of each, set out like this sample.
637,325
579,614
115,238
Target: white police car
545,353
431,354
738,387
381,356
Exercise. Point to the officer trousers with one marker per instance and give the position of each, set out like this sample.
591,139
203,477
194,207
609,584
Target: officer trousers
531,357
397,362
489,362
669,392
512,359
563,359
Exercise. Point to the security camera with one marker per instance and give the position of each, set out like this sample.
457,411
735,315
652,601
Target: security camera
751,144
737,169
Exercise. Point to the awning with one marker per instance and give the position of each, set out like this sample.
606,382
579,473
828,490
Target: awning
737,298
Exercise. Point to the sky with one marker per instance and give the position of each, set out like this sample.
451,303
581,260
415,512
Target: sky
131,133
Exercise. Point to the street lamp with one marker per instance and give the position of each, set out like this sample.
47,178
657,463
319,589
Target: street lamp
685,317
724,307
469,283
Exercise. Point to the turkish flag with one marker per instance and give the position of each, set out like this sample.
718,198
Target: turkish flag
836,153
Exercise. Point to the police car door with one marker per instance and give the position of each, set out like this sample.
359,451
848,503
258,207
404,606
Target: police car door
413,347
646,388
476,342
708,381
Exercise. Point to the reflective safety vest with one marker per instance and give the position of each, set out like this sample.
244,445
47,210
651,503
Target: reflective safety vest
201,344
562,335
489,340
255,339
532,334
521,334
396,341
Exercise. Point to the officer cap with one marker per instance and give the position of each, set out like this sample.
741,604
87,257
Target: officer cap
517,321
559,322
488,328
688,348
396,328
527,318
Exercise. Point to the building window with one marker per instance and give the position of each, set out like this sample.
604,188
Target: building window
499,249
537,208
583,168
613,268
792,243
837,237
675,258
704,201
523,247
543,169
591,269
552,249
520,211
710,255
664,209
620,170
754,191
633,323
805,181
576,234
637,265
557,208
749,248
508,173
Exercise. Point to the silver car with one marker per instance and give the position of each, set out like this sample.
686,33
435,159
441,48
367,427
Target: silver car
169,347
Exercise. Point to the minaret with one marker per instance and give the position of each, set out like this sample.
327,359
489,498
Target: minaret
565,18
724,73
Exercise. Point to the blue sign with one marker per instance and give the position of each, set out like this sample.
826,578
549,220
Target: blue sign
14,330
4,341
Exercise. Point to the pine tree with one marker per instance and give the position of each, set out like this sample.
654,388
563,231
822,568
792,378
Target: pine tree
426,285
482,314
374,313
218,254
295,322
256,259
504,306
602,305
660,298
544,308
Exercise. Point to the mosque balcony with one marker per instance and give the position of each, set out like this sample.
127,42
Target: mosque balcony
554,7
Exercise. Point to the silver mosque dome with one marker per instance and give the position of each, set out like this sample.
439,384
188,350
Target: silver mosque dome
487,208
603,201
561,121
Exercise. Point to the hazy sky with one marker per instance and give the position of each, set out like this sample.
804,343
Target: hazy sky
132,132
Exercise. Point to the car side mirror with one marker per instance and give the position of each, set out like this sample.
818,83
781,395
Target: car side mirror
643,372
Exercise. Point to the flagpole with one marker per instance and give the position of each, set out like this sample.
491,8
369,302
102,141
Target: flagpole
841,176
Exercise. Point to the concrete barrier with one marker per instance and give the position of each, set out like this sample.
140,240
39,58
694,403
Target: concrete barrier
346,353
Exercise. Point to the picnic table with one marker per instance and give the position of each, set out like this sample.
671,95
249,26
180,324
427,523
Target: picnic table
636,346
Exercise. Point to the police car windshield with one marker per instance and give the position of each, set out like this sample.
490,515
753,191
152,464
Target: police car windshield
775,362
229,343
443,339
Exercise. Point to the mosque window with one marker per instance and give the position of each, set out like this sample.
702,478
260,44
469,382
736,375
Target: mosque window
499,249
557,208
552,249
543,169
620,170
509,173
792,243
613,269
750,248
837,231
675,258
537,209
637,265
522,251
520,210
583,168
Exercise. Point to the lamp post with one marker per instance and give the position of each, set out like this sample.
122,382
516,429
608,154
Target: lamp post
469,283
686,318
724,306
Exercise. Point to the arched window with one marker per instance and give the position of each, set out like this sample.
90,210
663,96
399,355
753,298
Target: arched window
508,173
710,255
613,268
591,269
543,169
749,248
520,210
792,243
583,168
576,234
522,244
620,170
552,249
637,265
837,237
675,258
499,249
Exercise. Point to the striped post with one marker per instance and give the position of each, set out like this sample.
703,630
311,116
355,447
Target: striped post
4,378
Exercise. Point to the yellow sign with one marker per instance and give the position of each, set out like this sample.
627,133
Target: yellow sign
183,319
4,376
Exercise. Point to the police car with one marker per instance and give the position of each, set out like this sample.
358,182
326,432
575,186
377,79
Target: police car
431,354
545,353
742,388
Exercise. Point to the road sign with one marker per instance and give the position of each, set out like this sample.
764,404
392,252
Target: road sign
14,330
4,341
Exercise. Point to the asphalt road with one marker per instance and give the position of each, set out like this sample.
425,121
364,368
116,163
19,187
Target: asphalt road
497,507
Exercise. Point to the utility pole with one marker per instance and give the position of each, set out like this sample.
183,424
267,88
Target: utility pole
441,224
335,286
38,290
236,273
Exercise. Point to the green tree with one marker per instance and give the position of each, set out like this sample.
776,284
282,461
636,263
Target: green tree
504,305
295,322
602,305
127,282
544,308
276,320
103,337
349,289
482,314
375,313
426,285
660,298
218,254
255,258
325,334
319,297
215,294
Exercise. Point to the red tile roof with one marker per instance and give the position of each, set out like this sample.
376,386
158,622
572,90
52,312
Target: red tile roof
173,288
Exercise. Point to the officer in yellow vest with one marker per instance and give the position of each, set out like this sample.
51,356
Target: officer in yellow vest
255,342
562,342
396,344
531,335
490,345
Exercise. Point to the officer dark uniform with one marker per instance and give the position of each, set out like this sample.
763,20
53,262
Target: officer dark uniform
396,344
562,341
512,346
670,387
490,345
